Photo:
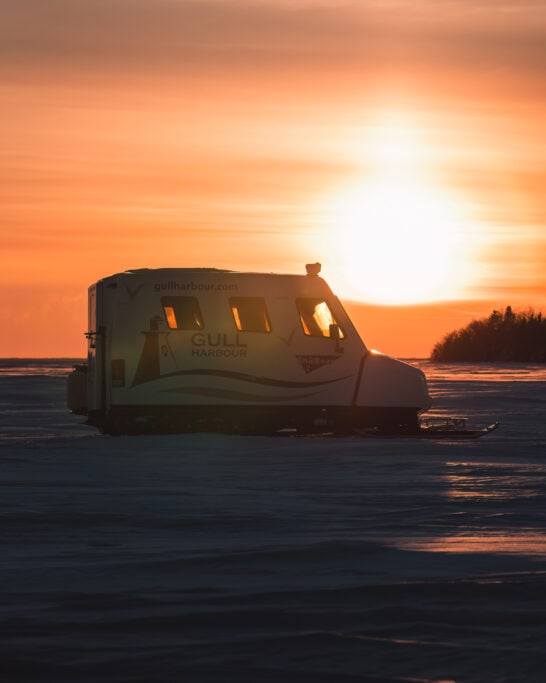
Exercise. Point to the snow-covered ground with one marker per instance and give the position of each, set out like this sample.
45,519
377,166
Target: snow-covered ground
222,558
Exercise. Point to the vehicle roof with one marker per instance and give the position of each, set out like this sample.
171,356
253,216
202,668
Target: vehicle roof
147,273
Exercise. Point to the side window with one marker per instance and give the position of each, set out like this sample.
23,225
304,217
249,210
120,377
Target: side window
317,319
182,312
250,314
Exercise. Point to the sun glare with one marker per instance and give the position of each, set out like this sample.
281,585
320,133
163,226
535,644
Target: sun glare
397,244
395,237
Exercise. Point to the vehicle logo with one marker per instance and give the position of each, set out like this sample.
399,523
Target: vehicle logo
311,363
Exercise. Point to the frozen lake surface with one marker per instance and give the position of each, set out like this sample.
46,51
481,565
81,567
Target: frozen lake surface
228,559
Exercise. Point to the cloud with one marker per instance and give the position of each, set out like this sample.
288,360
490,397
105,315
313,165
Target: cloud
170,36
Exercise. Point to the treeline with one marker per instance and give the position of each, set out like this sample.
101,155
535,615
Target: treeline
507,336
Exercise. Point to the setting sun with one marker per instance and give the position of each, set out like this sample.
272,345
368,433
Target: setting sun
395,235
396,243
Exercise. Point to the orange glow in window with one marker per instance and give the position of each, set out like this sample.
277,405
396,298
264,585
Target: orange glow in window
171,317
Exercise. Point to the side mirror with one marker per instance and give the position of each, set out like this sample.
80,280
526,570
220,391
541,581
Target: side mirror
335,332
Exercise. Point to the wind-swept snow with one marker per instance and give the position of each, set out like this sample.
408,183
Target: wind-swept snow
223,558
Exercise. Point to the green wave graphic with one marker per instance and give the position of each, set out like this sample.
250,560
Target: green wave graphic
226,394
245,377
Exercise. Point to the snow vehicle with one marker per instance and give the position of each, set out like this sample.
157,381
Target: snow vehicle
202,349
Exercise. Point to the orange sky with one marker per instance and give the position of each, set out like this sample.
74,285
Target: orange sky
401,143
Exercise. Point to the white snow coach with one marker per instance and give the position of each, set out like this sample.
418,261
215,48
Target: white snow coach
176,350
